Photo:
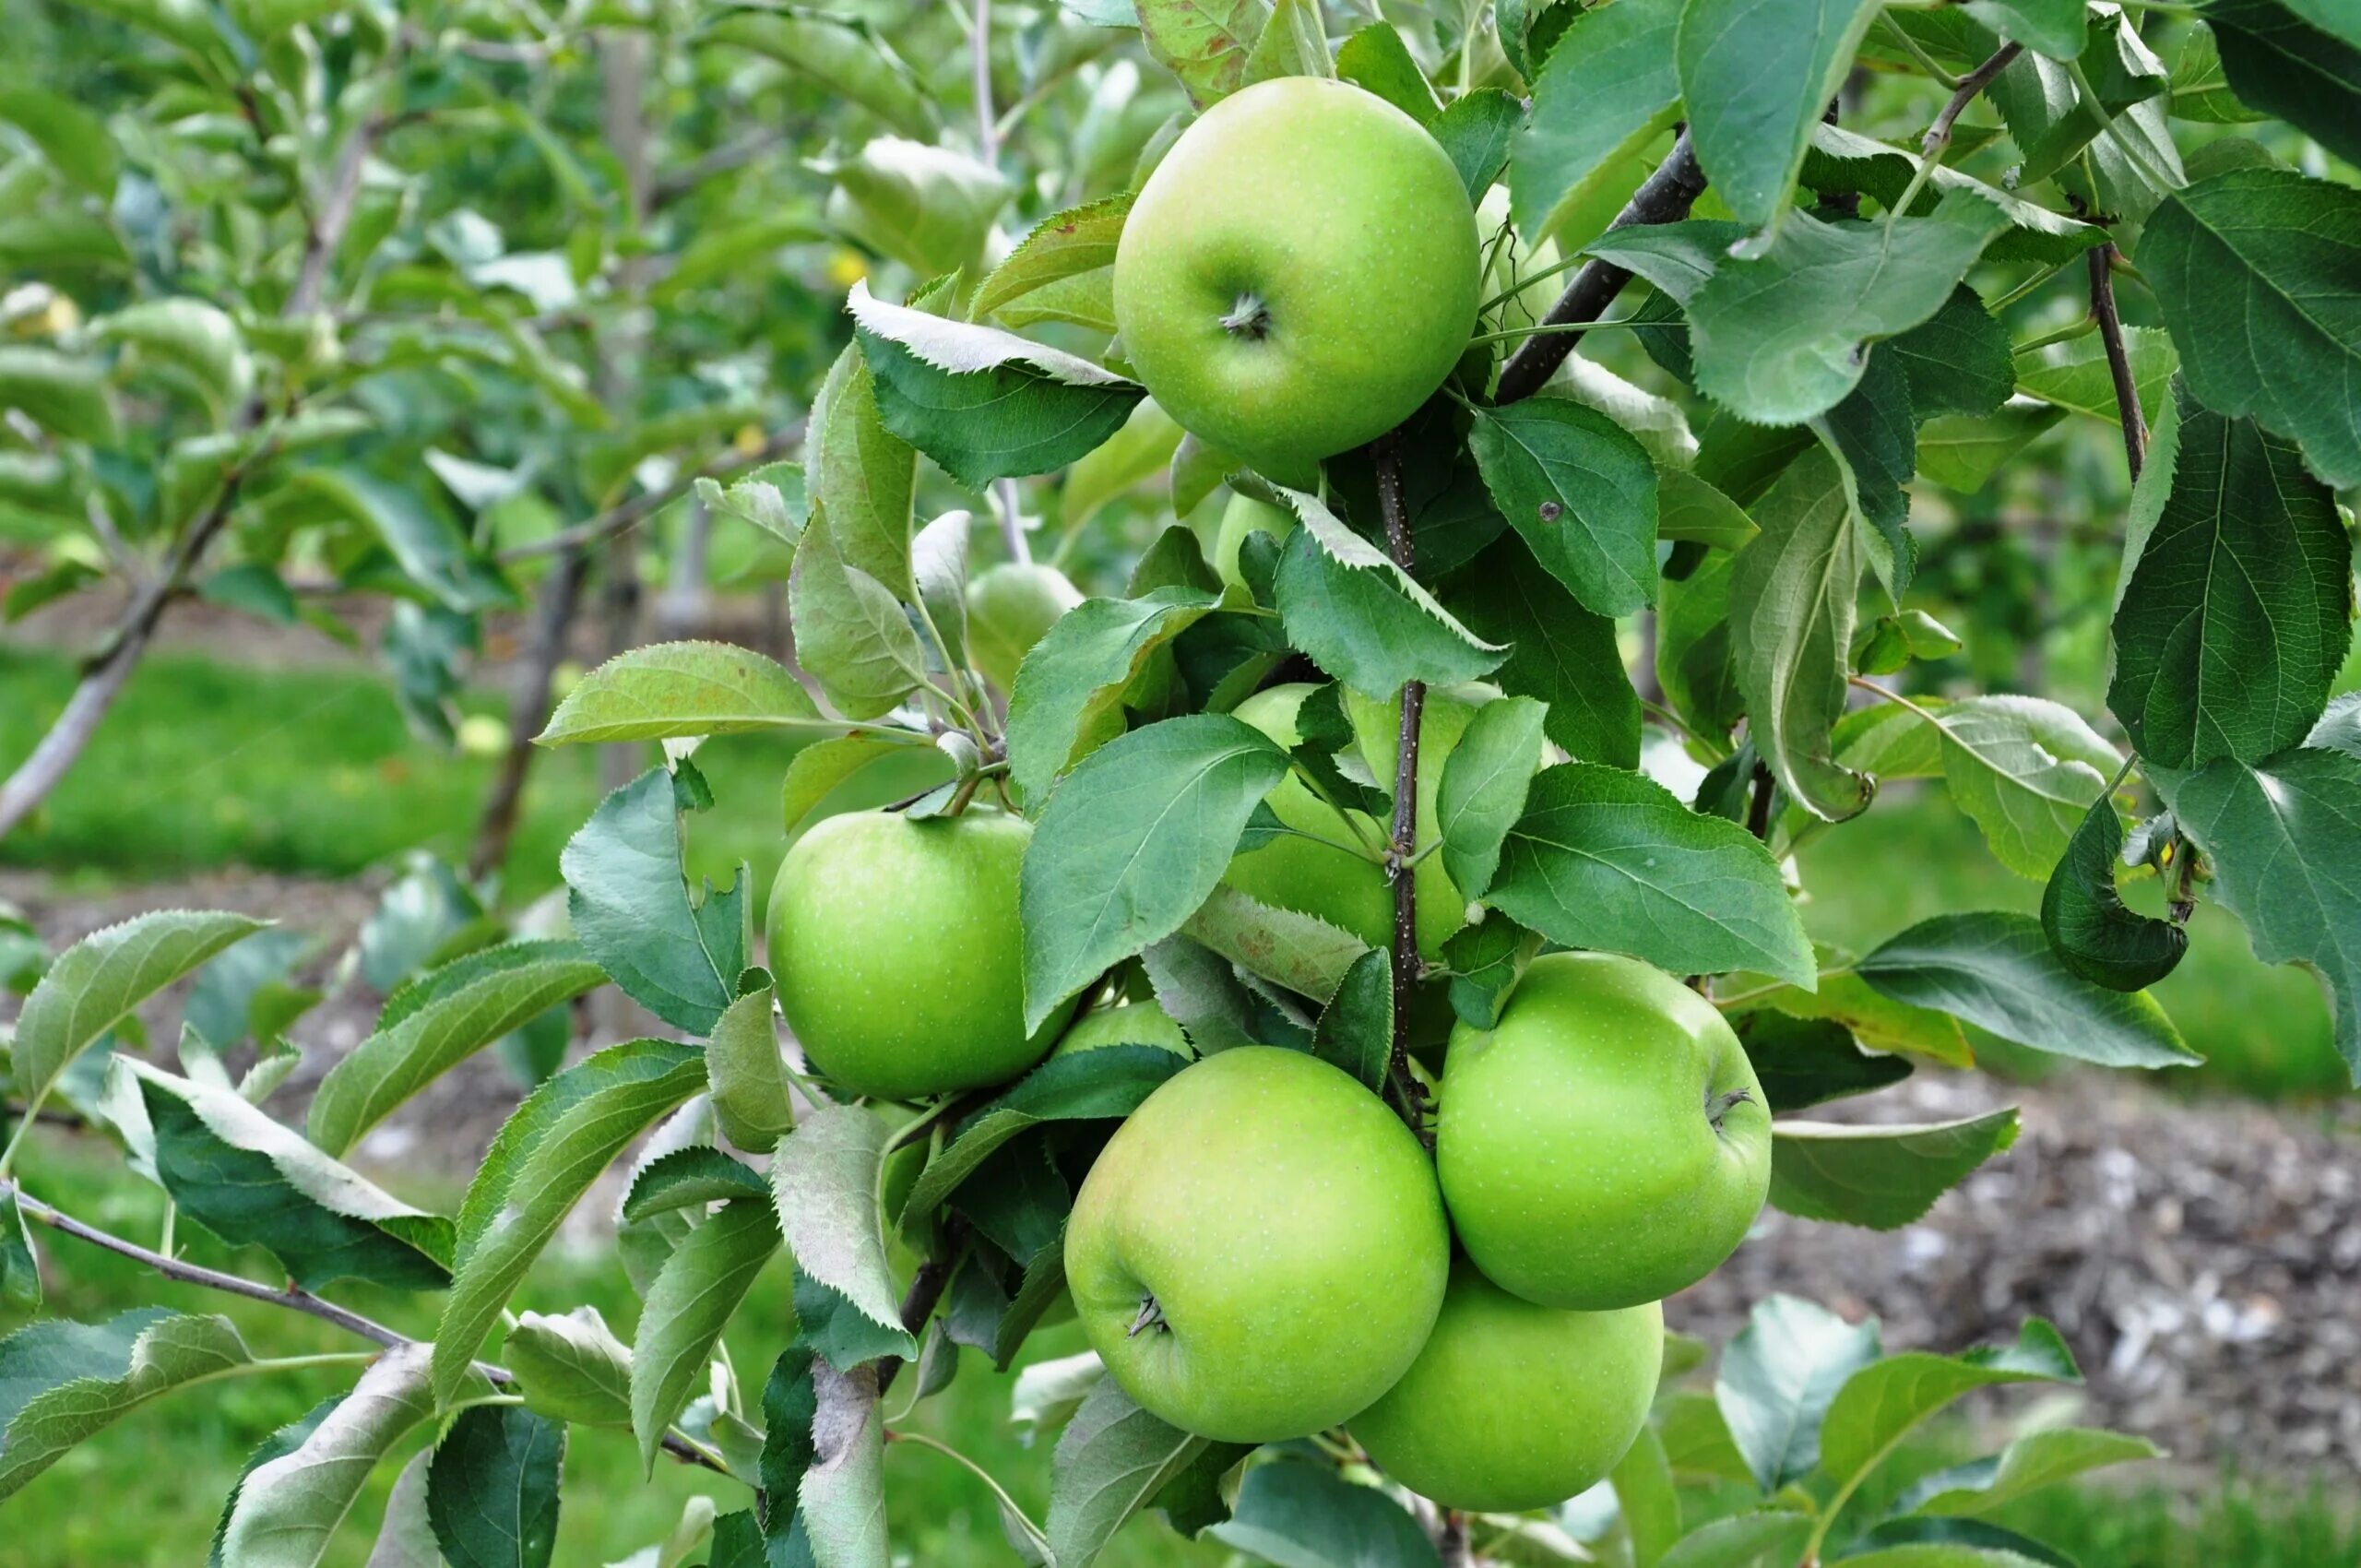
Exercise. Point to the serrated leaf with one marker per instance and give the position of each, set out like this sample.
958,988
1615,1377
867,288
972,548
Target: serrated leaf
680,691
1355,1029
1131,842
1487,960
1756,78
1080,239
1375,58
288,1509
1608,89
491,1488
62,1383
2293,67
815,772
1692,511
94,984
1106,1083
1304,1515
2037,1459
1205,43
1483,788
1777,1379
2252,270
20,1288
572,1367
1995,971
860,475
1608,860
1581,492
433,1032
2090,927
1361,618
2053,27
851,632
2238,605
1962,452
2026,769
1804,1061
405,1538
746,1077
823,1178
842,1499
1475,131
632,910
558,1142
1074,677
2075,377
1843,161
1882,1177
1111,1461
693,1176
1301,952
1559,653
695,1293
1882,1402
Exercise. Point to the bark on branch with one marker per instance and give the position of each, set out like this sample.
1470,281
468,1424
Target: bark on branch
2118,360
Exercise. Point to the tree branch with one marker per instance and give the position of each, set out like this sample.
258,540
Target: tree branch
639,508
528,710
1664,196
294,1297
1403,846
918,1305
1938,135
2118,361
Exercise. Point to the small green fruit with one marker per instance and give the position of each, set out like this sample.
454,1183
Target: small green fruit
1135,1023
1259,1252
896,949
1326,880
1009,609
1511,1406
1607,1143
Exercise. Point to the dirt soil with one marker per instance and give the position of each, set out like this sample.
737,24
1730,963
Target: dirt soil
2203,1259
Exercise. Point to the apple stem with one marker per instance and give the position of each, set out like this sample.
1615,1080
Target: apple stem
1401,852
1151,1316
1719,1106
1451,1539
1248,318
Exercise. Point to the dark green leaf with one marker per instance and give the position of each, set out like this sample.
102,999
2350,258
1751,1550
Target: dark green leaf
1935,1543
2053,27
695,1295
692,1176
492,1488
2091,929
1483,787
1361,618
1958,360
1486,959
1474,130
1756,78
1305,1514
1882,1177
1804,1061
19,1264
1376,58
1073,679
1559,654
1356,1029
1581,492
1607,91
631,907
1105,1082
1846,162
2284,65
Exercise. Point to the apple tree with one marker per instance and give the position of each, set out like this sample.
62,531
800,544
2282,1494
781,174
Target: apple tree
1352,963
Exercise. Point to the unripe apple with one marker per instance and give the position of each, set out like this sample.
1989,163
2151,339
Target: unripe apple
1607,1143
1259,1252
1328,880
1245,515
1511,1406
1009,608
1299,274
1135,1023
897,952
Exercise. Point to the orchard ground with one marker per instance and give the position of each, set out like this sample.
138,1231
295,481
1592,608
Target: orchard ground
2200,1257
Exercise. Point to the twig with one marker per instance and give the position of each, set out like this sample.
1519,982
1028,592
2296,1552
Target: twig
1758,802
1451,1539
639,508
1664,196
325,232
529,709
918,1303
1401,848
1938,135
294,1297
2118,361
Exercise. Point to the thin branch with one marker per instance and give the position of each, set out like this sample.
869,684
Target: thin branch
1758,802
561,600
684,180
2118,360
294,1298
1401,848
639,508
324,233
1664,196
918,1303
1938,135
1451,1539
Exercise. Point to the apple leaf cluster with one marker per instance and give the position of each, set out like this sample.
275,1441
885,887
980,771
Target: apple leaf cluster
1352,960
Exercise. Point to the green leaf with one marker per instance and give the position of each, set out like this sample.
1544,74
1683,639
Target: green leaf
1293,44
1486,959
1483,788
695,1293
277,1446
1356,1029
850,633
1204,42
1762,1539
1607,91
1870,432
76,141
1072,682
1962,452
2252,270
19,1266
2075,377
1958,361
1081,239
66,396
1304,1515
1361,617
1996,971
789,1404
631,907
1106,1083
253,1182
746,1077
2285,65
2283,837
191,335
1138,452
426,545
1131,842
929,207
825,1180
1846,162
432,1027
1950,1543
1646,1500
1690,511
288,1509
2025,769
1559,654
692,1176
843,53
1581,493
1804,1061
2090,927
983,403
1756,75
813,773
2037,1459
62,1383
1882,1403
861,475
1777,1379
572,1367
775,498
1376,58
1475,132
679,691
2237,607
2053,27
1112,1462
1302,952
1608,860
1791,613
95,983
841,1503
1778,338
1882,1177
567,1131
491,1488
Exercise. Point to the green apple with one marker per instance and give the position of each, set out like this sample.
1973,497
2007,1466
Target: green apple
897,952
1245,515
1134,1023
1607,1143
1331,880
1259,1251
1009,608
1299,274
1377,731
1511,1406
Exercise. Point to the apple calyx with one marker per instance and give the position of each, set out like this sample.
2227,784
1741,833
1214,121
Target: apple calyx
1248,318
1718,1106
1151,1316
